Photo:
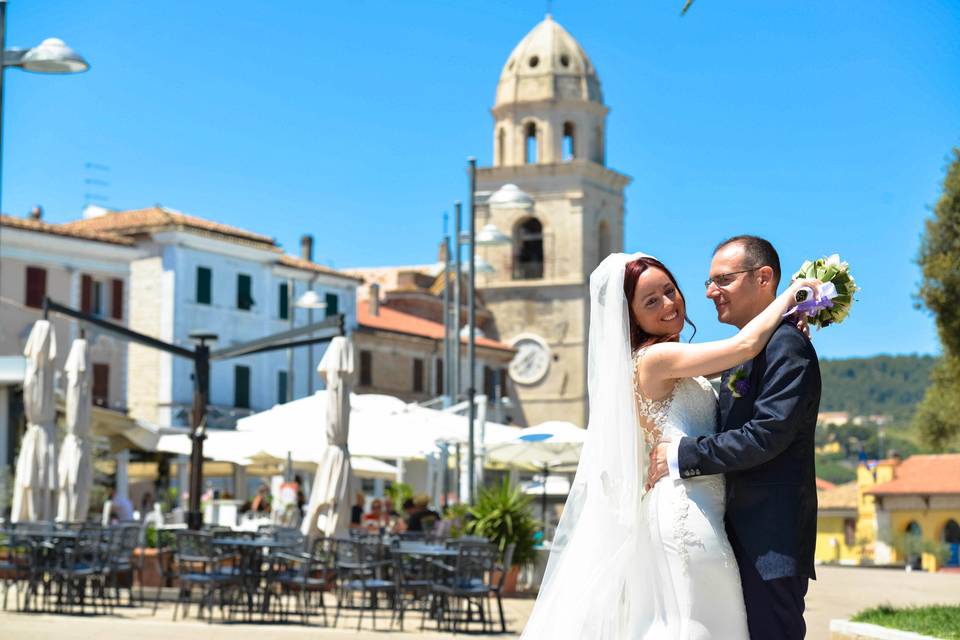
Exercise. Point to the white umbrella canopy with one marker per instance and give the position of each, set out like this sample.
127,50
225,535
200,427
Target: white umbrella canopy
547,445
76,457
35,483
328,511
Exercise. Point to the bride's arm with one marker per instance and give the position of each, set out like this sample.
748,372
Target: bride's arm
669,360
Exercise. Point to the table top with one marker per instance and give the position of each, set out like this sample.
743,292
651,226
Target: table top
53,533
422,549
247,542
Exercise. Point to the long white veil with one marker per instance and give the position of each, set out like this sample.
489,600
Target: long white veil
597,582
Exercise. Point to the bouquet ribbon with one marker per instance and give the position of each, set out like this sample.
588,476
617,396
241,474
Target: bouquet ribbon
812,306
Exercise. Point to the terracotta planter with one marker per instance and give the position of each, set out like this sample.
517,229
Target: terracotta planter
510,584
154,560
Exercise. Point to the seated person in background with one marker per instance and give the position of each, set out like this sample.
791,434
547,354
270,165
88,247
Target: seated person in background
261,501
121,509
356,511
420,516
376,518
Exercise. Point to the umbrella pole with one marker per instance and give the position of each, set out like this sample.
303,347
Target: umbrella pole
543,497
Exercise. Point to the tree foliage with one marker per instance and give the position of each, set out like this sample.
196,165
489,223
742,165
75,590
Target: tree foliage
879,385
938,417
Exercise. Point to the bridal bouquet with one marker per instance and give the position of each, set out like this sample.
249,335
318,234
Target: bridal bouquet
836,294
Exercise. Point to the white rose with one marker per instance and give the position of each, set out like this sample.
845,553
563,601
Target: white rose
833,261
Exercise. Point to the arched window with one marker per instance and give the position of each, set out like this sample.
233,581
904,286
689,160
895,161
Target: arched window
601,151
567,150
603,241
530,143
951,532
913,529
501,146
528,250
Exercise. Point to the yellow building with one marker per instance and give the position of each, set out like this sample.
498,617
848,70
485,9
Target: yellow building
895,513
837,525
917,512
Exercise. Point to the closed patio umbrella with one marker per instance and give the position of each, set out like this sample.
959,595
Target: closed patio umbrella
328,511
76,464
36,479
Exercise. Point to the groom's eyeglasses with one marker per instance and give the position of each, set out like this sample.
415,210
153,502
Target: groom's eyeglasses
726,279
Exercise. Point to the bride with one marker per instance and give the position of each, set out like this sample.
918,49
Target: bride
627,563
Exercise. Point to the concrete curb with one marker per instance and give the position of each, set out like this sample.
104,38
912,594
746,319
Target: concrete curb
846,630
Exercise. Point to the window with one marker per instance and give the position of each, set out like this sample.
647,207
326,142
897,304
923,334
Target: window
439,383
489,383
281,387
530,143
567,151
418,375
241,386
501,145
849,531
603,241
333,304
283,312
116,299
528,250
86,293
204,282
97,307
101,384
36,287
244,296
366,368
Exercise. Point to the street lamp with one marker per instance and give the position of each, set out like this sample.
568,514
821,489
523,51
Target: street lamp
50,56
309,300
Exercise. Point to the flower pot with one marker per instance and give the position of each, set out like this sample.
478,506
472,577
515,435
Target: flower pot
154,561
510,583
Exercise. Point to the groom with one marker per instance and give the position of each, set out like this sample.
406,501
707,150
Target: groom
768,412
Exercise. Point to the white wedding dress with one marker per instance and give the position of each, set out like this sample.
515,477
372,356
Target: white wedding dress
625,564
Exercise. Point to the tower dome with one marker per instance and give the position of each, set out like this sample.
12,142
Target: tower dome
548,64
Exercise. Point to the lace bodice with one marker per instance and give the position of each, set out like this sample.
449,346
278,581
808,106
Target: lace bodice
690,409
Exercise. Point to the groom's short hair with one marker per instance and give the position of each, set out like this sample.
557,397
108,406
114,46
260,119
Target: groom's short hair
758,251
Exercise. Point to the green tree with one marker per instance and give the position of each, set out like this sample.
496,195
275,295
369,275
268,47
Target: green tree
938,416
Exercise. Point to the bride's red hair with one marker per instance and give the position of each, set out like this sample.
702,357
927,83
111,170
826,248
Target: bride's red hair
632,272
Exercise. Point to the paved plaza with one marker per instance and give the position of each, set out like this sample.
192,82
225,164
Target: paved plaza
838,593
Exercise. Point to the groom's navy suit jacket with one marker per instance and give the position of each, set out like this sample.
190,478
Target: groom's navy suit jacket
765,447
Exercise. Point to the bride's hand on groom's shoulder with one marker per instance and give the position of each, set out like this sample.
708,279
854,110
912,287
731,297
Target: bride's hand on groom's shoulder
658,464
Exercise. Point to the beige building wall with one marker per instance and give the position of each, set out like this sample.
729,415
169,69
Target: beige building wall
64,271
146,316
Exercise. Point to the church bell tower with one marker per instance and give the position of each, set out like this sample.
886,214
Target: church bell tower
549,140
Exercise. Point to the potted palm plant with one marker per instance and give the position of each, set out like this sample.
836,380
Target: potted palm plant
502,515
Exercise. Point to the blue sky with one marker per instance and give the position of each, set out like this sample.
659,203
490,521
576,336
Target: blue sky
823,126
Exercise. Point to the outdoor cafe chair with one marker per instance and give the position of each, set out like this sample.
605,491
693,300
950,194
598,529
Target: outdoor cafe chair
466,587
17,568
199,566
360,570
496,585
78,566
124,541
304,576
414,574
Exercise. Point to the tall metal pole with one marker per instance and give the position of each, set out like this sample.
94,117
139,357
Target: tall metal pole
455,396
445,381
472,333
201,391
3,47
291,309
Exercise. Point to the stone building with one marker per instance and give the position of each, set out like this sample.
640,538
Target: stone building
549,138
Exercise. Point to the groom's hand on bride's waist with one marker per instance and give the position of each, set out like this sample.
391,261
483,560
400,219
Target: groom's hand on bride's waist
658,463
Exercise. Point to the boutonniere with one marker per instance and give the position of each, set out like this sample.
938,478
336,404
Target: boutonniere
738,383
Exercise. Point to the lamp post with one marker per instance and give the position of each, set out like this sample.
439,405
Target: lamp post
50,56
309,300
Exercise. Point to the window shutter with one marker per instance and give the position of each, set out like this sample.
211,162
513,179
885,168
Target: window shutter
36,287
333,304
101,384
366,368
241,387
281,387
284,311
244,297
417,375
116,302
86,293
204,282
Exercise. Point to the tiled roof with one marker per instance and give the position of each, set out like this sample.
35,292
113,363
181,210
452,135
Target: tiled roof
59,230
306,265
923,474
843,496
392,320
158,218
823,485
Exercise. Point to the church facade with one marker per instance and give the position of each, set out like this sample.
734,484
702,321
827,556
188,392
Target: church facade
549,139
